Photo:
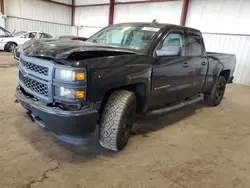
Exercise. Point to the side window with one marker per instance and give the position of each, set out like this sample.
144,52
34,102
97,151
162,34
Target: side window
193,45
44,36
172,45
26,36
173,39
30,35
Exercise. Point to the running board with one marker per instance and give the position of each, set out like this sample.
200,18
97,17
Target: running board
177,106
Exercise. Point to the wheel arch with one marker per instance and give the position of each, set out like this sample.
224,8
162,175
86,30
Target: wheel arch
225,74
139,89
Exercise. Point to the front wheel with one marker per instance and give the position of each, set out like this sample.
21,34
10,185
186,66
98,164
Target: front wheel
117,120
10,46
214,97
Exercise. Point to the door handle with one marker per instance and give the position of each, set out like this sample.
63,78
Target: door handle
203,63
185,65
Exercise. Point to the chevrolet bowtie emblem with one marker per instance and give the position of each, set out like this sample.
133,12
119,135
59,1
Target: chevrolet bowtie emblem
24,73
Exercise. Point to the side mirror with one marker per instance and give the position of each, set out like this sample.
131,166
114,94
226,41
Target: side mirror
169,51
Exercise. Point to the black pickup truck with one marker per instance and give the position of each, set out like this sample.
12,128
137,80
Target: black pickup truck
74,88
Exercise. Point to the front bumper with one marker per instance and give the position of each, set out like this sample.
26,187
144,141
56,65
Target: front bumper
63,123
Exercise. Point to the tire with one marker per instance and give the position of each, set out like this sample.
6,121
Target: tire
10,46
117,120
214,97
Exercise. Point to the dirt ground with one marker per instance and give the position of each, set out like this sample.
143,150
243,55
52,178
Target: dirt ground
194,147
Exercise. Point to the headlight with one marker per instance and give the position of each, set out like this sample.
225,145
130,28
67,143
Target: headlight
67,93
68,75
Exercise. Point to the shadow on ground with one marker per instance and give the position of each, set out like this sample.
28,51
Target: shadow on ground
50,147
153,123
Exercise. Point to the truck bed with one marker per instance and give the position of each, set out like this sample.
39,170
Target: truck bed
227,60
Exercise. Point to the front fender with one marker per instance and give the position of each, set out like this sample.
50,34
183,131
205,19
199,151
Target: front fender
105,80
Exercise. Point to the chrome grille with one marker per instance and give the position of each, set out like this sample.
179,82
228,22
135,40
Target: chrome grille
33,85
36,68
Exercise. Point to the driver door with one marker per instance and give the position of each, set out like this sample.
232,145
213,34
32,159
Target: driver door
170,78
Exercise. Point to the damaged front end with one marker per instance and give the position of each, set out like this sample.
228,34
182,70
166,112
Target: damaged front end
72,50
53,84
54,97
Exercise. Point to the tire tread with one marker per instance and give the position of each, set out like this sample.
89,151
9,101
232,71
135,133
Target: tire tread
112,116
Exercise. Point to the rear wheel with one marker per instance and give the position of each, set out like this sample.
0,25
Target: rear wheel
216,95
117,120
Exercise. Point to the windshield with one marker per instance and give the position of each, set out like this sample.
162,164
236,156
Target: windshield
129,37
18,34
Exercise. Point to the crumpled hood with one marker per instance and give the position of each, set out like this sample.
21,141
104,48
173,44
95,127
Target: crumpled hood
62,49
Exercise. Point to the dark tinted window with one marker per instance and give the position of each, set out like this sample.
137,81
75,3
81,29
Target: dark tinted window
30,35
44,35
193,46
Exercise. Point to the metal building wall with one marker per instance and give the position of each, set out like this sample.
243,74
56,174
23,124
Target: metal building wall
224,24
92,19
2,21
18,24
88,2
39,15
95,18
38,10
234,44
165,12
69,2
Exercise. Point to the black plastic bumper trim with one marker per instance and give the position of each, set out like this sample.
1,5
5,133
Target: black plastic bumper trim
74,123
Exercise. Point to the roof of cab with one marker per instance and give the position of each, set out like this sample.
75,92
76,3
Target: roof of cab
156,24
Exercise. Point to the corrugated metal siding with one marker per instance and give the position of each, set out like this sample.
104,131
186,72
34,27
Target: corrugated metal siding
95,18
91,19
88,31
54,29
233,44
128,0
165,12
69,2
87,2
2,22
229,17
92,16
38,10
220,16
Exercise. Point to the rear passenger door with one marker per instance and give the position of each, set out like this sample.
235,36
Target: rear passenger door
196,61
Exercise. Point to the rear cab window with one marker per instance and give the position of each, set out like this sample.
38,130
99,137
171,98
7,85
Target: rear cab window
194,44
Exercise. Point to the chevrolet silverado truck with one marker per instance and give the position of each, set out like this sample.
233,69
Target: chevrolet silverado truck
75,89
